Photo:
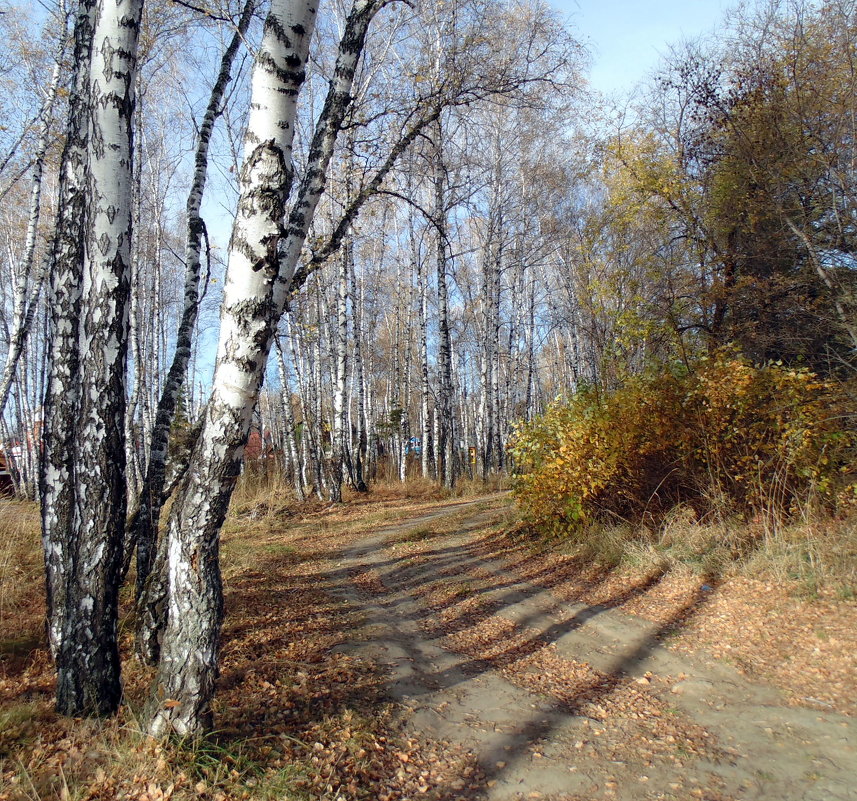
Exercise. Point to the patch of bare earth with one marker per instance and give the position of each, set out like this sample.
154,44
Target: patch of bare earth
626,719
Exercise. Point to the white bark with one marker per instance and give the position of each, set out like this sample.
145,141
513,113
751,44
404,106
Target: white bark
362,449
338,455
425,388
87,654
57,473
262,262
290,435
444,440
248,320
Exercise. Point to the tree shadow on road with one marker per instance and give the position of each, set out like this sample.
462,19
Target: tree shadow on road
319,683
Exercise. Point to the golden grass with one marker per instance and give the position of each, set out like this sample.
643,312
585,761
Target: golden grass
813,555
274,550
20,560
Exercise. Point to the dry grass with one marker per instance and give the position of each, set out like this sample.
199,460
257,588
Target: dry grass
296,719
820,555
20,558
474,487
812,555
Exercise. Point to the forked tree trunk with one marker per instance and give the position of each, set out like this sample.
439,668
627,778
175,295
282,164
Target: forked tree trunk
262,262
88,655
188,657
144,528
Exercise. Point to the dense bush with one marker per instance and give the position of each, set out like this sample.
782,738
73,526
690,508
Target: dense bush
726,438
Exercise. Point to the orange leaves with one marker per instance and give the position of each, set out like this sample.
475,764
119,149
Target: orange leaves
766,440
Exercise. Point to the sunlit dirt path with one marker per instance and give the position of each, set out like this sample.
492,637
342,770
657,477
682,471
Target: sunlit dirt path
567,701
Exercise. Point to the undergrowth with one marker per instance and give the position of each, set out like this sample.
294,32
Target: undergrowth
728,465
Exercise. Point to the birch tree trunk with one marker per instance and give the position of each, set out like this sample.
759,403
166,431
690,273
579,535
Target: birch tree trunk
88,655
322,463
262,262
303,396
445,445
339,395
144,528
133,457
290,435
57,472
406,393
362,450
188,657
425,418
338,433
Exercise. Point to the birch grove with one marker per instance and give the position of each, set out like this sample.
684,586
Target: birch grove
429,218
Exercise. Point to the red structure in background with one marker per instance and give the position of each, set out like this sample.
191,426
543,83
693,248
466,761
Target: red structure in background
258,446
253,448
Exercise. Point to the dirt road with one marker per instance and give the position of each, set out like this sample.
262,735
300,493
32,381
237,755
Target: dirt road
560,700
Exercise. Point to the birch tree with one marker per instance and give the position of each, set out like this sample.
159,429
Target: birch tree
144,526
262,260
83,489
57,474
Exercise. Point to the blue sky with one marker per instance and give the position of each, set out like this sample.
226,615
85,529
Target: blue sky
626,37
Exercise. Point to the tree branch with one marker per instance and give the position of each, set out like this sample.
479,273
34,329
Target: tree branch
430,114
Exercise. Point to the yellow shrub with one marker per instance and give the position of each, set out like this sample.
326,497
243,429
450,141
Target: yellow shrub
756,440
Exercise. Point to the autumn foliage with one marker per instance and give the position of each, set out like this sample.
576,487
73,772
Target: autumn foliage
726,438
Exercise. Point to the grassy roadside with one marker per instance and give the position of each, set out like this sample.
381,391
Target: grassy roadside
296,719
814,558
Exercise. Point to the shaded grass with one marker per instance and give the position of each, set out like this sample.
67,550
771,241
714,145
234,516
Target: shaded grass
295,718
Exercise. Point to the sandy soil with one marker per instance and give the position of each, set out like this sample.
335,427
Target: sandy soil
562,699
